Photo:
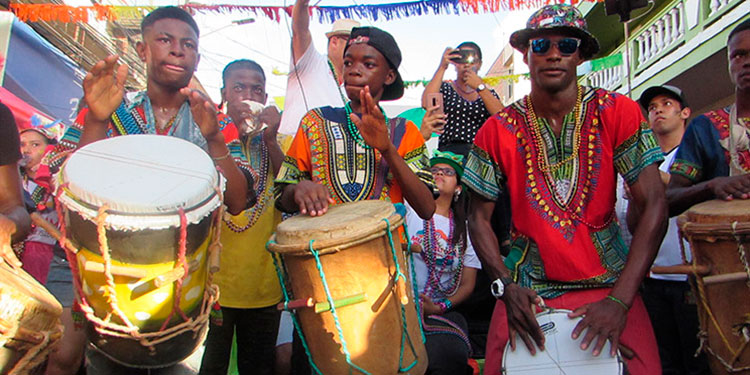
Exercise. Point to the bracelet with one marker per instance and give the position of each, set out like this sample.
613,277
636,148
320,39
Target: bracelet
220,158
444,304
619,302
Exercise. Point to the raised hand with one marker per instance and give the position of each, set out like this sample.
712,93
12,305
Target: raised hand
104,87
372,124
312,198
602,320
448,54
204,114
432,122
472,79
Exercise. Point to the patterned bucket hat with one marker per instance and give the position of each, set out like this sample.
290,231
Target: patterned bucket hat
557,17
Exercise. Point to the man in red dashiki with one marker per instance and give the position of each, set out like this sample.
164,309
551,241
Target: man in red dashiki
711,164
557,151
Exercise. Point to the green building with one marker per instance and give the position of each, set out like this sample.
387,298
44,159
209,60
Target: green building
677,42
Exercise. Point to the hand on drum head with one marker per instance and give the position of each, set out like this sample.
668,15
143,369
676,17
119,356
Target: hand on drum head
602,320
728,188
312,198
204,114
7,227
103,88
519,304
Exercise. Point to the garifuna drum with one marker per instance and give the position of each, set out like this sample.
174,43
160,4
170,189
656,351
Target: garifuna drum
351,259
143,213
562,354
29,321
719,236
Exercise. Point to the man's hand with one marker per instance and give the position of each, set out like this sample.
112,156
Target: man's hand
271,117
204,114
472,79
372,125
728,188
7,228
519,304
433,122
312,198
604,319
104,87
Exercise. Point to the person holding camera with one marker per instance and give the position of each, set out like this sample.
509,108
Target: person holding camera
466,102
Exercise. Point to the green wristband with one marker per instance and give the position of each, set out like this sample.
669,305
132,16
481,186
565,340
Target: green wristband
619,302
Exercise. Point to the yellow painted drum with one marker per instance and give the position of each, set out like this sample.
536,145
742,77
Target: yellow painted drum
143,213
378,325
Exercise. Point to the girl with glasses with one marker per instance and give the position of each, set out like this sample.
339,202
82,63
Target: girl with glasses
445,269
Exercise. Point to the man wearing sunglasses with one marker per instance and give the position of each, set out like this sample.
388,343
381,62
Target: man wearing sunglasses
557,152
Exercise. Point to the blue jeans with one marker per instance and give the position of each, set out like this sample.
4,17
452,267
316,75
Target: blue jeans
256,331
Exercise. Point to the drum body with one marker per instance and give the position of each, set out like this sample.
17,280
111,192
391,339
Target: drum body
719,237
29,321
356,260
131,262
562,354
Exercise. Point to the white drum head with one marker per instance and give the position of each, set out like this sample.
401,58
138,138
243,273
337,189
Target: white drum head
143,179
562,355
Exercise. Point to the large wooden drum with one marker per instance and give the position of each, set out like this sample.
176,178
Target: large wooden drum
346,257
29,321
719,237
142,210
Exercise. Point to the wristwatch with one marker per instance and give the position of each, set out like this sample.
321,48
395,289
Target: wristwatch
498,286
481,87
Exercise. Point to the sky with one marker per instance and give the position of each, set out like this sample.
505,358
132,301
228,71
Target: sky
422,40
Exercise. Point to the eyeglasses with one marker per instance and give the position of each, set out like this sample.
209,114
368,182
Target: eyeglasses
449,172
566,46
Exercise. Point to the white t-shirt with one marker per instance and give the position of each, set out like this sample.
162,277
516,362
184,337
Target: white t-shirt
415,225
669,252
311,85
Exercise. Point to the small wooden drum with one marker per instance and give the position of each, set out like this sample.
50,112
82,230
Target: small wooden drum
346,258
143,210
562,354
29,321
719,237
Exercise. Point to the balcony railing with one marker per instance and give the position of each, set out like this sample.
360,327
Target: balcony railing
666,32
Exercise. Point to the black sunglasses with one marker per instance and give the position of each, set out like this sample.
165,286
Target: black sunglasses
566,46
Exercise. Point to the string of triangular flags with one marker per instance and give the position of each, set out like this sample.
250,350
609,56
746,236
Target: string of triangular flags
374,12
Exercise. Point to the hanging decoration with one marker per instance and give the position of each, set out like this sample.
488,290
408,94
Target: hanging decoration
374,12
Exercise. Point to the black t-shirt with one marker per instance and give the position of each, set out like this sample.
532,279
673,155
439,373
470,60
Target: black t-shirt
10,146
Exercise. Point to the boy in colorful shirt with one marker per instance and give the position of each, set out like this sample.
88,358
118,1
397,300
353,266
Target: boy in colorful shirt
354,153
167,107
247,278
711,163
558,151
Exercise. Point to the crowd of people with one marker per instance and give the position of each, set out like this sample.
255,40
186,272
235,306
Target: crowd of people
523,193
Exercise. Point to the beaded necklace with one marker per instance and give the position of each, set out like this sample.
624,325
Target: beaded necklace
542,161
432,285
254,213
336,78
352,129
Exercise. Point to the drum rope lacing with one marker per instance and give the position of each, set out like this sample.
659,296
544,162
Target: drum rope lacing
34,355
405,337
129,331
700,286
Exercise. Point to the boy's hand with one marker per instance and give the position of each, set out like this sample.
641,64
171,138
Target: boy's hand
204,114
104,87
372,125
312,198
7,228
